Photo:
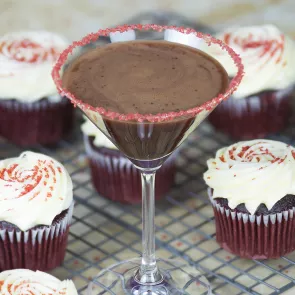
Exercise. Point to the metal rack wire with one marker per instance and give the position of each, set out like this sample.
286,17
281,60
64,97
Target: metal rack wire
104,232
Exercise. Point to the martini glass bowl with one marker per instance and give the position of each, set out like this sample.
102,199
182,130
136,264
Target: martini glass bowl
148,140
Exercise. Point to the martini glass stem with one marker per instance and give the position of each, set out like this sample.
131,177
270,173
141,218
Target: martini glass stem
148,273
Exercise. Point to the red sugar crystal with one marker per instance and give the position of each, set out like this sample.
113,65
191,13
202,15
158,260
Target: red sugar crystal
52,169
222,159
243,151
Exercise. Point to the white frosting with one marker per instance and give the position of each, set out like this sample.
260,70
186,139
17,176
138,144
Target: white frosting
252,172
122,36
100,140
26,61
267,56
24,281
34,189
182,38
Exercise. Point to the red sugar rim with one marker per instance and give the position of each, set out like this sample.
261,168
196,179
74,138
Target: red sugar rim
92,37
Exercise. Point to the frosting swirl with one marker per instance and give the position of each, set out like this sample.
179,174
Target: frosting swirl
24,281
252,172
26,60
267,56
100,140
33,181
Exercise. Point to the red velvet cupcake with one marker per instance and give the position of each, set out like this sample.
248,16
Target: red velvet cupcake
35,213
31,111
113,175
252,190
261,104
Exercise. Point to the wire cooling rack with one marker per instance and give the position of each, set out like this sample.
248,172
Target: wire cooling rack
104,232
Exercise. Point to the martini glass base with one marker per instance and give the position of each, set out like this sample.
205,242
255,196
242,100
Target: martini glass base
178,278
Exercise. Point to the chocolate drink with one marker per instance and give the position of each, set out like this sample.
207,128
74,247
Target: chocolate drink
146,77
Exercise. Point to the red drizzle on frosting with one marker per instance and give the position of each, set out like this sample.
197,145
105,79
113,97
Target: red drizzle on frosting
270,47
28,286
249,153
27,51
29,179
242,152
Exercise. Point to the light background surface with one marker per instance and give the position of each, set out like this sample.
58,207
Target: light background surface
75,18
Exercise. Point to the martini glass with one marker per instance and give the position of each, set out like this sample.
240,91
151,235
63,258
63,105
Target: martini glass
148,140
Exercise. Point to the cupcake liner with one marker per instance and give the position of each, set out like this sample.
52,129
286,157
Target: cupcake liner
40,122
253,116
41,248
116,178
254,236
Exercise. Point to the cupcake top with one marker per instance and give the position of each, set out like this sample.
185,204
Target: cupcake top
34,189
267,55
26,61
252,173
24,281
100,140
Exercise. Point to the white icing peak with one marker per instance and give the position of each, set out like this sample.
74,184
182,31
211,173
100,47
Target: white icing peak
252,172
26,61
100,140
267,56
34,189
24,281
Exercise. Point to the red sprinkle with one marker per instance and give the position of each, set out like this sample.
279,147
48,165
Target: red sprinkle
243,151
222,159
39,53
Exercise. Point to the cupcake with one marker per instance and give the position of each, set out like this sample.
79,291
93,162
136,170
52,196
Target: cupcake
113,175
31,110
35,213
261,104
252,190
24,281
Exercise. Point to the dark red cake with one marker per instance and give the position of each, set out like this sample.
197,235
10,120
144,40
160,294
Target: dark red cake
251,188
40,248
115,177
41,122
255,116
267,234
